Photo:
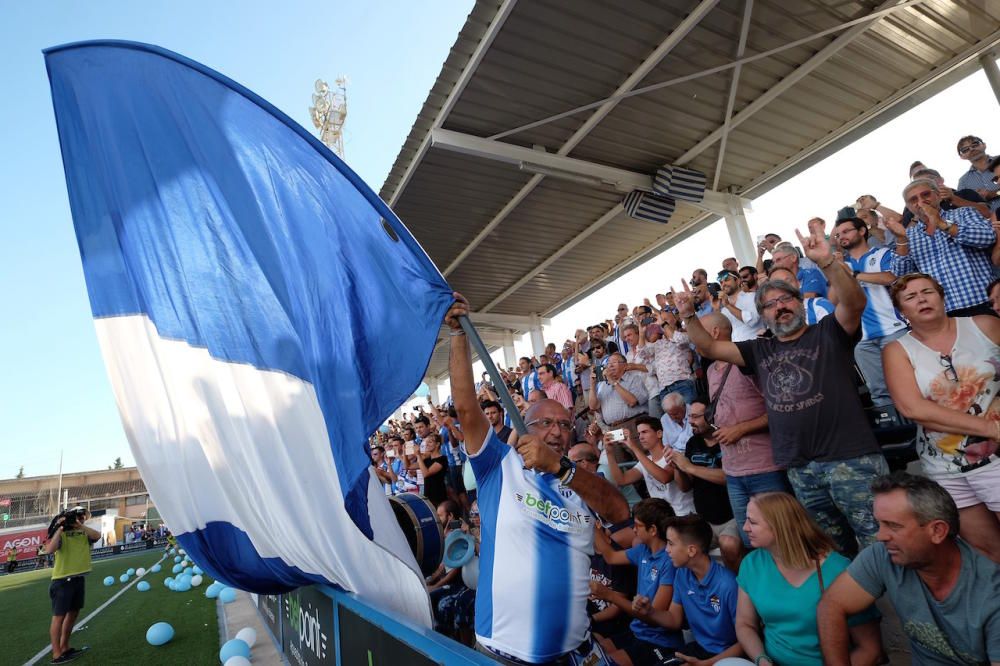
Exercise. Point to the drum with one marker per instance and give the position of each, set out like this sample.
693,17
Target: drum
418,520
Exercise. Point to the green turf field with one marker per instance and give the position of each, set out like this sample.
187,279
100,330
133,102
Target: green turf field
118,634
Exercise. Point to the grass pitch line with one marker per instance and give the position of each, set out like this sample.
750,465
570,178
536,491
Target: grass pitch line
93,614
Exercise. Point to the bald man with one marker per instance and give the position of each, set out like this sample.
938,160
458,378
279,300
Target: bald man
536,509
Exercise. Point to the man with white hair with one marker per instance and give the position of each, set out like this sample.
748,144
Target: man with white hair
811,280
952,246
676,426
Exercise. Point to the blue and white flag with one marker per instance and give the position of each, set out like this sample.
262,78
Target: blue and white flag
260,311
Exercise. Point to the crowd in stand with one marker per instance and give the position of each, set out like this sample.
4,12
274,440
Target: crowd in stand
701,478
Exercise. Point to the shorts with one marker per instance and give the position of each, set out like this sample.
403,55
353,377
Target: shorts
67,594
980,486
728,528
643,653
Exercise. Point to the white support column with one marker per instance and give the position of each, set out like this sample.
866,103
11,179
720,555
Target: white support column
537,339
739,232
434,384
989,64
509,355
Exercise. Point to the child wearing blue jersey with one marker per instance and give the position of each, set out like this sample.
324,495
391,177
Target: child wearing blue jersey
705,594
648,644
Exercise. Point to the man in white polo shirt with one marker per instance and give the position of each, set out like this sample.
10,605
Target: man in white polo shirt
537,526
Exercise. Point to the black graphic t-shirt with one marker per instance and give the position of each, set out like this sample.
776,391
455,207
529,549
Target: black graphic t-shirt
711,500
813,408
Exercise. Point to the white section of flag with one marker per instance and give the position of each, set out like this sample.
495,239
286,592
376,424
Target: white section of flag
222,441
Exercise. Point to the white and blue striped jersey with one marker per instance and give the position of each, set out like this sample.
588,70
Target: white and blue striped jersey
816,308
529,383
880,317
534,577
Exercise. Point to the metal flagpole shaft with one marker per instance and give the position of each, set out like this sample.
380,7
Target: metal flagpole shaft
491,368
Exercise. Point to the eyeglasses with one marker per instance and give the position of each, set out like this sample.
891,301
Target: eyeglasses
783,300
965,149
473,514
949,368
545,424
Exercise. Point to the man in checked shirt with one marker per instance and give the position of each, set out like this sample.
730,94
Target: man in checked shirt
953,246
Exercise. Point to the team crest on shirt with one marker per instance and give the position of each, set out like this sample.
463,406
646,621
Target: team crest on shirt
553,515
654,573
715,602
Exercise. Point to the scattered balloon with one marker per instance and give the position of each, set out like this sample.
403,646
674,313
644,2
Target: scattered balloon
159,633
248,635
109,581
123,578
234,648
143,586
228,595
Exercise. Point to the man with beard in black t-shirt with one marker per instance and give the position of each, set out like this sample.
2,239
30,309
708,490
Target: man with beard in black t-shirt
818,426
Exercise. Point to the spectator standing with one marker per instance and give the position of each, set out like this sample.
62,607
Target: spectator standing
782,581
741,417
553,386
738,307
675,422
811,280
979,177
433,466
818,427
946,594
748,280
621,396
952,246
945,375
529,377
535,506
11,559
880,324
669,358
699,470
815,308
494,414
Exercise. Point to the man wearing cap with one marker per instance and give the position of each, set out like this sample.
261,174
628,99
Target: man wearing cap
71,543
738,307
536,508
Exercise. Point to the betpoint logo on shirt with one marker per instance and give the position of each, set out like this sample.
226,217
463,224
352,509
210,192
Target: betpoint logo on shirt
558,517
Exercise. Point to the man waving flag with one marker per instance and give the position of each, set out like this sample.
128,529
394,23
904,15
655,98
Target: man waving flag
260,312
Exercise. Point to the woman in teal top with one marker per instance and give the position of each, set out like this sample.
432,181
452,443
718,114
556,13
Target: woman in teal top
781,583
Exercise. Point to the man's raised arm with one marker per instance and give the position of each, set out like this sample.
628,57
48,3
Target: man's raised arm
463,384
720,350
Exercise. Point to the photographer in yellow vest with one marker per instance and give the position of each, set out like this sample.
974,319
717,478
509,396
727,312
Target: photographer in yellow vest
70,539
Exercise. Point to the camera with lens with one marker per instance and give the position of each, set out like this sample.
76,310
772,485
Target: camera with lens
71,519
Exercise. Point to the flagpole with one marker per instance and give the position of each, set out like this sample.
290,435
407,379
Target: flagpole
59,493
491,368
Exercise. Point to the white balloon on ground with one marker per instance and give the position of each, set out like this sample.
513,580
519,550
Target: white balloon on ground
248,635
237,660
195,581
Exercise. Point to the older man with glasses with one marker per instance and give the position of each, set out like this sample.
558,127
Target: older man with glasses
537,527
621,396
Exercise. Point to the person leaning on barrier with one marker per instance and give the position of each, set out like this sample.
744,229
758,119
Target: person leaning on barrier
71,541
537,526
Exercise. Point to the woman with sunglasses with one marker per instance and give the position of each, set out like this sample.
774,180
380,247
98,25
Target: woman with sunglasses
945,374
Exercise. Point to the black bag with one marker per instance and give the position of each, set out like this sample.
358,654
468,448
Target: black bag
710,407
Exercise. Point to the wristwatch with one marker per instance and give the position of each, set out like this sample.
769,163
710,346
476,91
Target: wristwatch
567,470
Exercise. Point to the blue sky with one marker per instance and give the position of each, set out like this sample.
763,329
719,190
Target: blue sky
54,393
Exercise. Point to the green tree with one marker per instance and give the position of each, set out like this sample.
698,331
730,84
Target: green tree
118,464
20,473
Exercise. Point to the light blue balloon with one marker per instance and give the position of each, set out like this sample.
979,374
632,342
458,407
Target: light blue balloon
131,571
109,581
143,586
168,580
384,429
177,569
123,578
212,591
197,570
177,559
155,568
422,391
228,595
235,647
159,633
173,551
182,585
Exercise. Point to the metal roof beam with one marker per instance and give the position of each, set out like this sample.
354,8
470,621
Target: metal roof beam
560,166
673,39
463,80
731,102
797,75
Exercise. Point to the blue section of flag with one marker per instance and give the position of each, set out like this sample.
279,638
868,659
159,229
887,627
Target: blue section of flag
198,204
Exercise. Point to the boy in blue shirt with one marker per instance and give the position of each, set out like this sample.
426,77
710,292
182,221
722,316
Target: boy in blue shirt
705,593
649,644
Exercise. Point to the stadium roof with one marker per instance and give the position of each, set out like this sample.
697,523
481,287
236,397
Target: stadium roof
547,113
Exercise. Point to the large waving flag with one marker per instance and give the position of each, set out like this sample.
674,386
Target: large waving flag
260,311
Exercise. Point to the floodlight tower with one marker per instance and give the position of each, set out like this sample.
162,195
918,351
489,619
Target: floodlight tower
329,111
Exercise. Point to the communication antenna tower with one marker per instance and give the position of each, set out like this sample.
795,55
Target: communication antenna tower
329,111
